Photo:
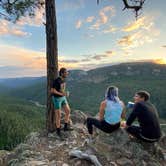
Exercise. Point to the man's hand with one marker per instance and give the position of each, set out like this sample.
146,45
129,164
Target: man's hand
123,124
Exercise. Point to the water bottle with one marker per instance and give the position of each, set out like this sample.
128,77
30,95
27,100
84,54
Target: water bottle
130,105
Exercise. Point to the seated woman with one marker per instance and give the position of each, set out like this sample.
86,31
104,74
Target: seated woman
110,113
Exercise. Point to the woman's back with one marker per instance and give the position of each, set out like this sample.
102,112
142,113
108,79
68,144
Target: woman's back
113,111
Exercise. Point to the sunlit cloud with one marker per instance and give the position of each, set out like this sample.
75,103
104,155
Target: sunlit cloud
160,61
138,38
22,57
8,28
135,25
144,32
126,40
104,15
99,57
69,61
110,53
90,19
78,24
110,29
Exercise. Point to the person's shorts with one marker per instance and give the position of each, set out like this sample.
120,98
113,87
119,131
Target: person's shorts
59,102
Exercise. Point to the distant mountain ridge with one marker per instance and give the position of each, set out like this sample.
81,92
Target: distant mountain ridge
19,82
124,69
95,75
87,88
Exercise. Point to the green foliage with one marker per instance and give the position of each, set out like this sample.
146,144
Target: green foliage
17,119
15,9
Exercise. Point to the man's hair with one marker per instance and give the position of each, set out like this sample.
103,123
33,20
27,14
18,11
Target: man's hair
62,70
144,94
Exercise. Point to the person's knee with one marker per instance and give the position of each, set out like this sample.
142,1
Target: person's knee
58,113
88,120
67,112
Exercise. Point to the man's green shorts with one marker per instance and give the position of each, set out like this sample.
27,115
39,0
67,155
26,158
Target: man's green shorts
59,102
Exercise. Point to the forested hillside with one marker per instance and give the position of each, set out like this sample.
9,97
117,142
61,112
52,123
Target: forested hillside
17,119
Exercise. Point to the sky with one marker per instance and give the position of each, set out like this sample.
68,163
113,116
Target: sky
89,36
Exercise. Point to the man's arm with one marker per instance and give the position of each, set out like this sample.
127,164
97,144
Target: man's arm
133,114
54,91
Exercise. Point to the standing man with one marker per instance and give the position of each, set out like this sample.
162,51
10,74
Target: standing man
60,101
147,116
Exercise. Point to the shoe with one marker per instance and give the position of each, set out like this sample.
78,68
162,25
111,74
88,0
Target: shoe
60,136
68,127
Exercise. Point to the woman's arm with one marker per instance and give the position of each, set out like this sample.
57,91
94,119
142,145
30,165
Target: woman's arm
123,115
102,110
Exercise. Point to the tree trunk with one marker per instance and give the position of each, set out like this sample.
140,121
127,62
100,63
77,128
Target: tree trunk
52,59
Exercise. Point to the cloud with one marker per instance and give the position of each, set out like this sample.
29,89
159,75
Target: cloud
110,29
69,61
37,20
85,60
90,19
104,15
78,24
22,57
137,39
126,40
134,25
141,31
99,57
8,28
110,53
142,23
164,46
33,63
160,61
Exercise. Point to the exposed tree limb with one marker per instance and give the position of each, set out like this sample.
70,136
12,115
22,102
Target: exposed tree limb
137,5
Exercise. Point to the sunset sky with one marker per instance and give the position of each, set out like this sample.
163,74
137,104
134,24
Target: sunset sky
89,36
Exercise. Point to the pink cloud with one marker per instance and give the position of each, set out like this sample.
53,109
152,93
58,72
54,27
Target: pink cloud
7,28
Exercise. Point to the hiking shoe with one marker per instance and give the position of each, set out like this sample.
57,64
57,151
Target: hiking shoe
68,127
60,136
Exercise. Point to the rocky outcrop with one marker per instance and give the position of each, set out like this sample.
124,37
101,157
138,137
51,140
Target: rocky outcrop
76,149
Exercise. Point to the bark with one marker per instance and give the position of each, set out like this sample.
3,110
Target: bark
52,59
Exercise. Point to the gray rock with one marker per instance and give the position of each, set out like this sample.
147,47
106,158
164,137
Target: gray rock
124,162
82,155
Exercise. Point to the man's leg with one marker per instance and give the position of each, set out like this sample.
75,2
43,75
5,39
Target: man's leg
134,131
67,113
57,109
67,117
58,120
